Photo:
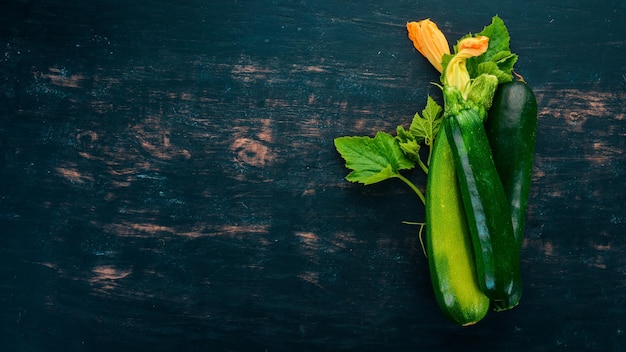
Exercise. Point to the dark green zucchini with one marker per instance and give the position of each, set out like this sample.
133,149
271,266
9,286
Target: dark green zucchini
512,128
487,209
449,245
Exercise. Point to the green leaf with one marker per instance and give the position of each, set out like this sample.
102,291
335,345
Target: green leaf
501,66
497,53
498,38
408,144
372,159
432,112
491,68
419,128
505,61
425,128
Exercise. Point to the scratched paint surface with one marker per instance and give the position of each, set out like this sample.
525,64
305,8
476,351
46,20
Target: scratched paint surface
169,180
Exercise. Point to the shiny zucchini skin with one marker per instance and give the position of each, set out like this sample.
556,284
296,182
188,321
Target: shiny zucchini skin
512,129
448,245
487,209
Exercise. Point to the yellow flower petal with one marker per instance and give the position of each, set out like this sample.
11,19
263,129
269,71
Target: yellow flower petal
456,71
471,47
429,41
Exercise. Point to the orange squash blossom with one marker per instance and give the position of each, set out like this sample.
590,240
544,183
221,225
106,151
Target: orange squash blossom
429,41
432,44
456,72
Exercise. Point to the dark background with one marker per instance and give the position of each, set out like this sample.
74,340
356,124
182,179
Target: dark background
169,181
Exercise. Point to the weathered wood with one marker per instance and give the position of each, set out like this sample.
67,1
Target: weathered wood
169,179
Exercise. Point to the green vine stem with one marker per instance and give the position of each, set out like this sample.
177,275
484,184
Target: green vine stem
413,187
422,165
420,235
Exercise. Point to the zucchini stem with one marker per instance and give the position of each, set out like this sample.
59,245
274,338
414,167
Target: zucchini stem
422,165
430,153
422,239
413,187
420,234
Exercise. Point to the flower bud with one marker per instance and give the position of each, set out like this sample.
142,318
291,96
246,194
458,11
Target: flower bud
456,71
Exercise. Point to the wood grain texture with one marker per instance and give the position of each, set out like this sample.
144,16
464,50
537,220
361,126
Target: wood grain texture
169,178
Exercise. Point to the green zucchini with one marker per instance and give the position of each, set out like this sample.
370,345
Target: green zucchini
448,244
512,128
486,207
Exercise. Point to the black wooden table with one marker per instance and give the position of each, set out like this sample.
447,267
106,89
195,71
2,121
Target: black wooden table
169,181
